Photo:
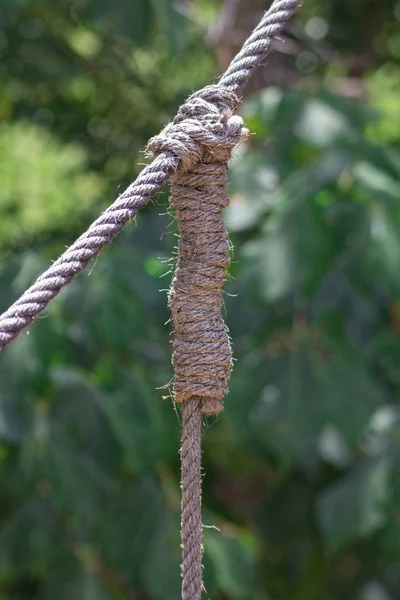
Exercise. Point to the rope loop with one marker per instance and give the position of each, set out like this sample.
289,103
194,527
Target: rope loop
204,130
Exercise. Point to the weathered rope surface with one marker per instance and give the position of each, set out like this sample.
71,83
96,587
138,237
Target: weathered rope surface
258,45
202,354
138,194
203,135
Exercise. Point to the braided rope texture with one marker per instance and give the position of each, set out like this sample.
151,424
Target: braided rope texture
87,246
138,194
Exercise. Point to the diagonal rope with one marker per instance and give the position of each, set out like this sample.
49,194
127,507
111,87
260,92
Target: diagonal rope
87,246
138,194
257,46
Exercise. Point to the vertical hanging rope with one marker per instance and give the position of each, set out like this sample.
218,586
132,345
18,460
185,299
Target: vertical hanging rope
202,138
202,353
191,521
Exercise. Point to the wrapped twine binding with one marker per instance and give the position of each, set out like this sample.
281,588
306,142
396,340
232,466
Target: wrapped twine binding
205,124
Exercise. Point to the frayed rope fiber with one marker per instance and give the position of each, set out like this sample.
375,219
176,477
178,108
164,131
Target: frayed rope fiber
203,135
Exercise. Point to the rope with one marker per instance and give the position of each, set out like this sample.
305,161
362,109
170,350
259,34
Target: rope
202,354
193,151
191,521
86,247
203,135
138,194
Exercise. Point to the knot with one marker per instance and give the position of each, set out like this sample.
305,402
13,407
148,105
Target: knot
204,130
202,137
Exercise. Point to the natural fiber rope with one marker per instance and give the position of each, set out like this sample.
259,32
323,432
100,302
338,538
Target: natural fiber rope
202,353
138,194
194,150
86,247
191,522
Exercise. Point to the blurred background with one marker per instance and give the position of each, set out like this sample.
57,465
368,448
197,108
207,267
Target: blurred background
302,470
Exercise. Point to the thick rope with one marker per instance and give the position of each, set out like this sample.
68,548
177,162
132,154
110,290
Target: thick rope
86,247
138,194
202,354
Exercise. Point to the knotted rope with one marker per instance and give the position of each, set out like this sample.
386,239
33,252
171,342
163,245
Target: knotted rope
138,194
191,522
193,152
202,355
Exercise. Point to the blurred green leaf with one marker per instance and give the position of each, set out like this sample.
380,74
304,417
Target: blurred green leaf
235,564
44,185
172,23
355,506
163,557
132,19
301,394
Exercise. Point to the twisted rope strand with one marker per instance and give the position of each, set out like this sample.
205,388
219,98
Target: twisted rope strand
86,247
138,194
191,521
258,45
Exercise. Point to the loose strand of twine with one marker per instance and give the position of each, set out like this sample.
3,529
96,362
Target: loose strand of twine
193,151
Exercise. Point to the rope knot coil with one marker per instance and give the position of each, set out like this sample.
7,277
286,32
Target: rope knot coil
205,128
202,138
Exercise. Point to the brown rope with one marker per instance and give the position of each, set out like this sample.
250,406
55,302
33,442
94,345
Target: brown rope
202,353
203,135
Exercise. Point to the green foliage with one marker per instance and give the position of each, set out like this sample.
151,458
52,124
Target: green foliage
45,186
356,506
302,478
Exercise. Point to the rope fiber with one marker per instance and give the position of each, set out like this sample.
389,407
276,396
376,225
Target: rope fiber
138,194
202,354
192,151
191,523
